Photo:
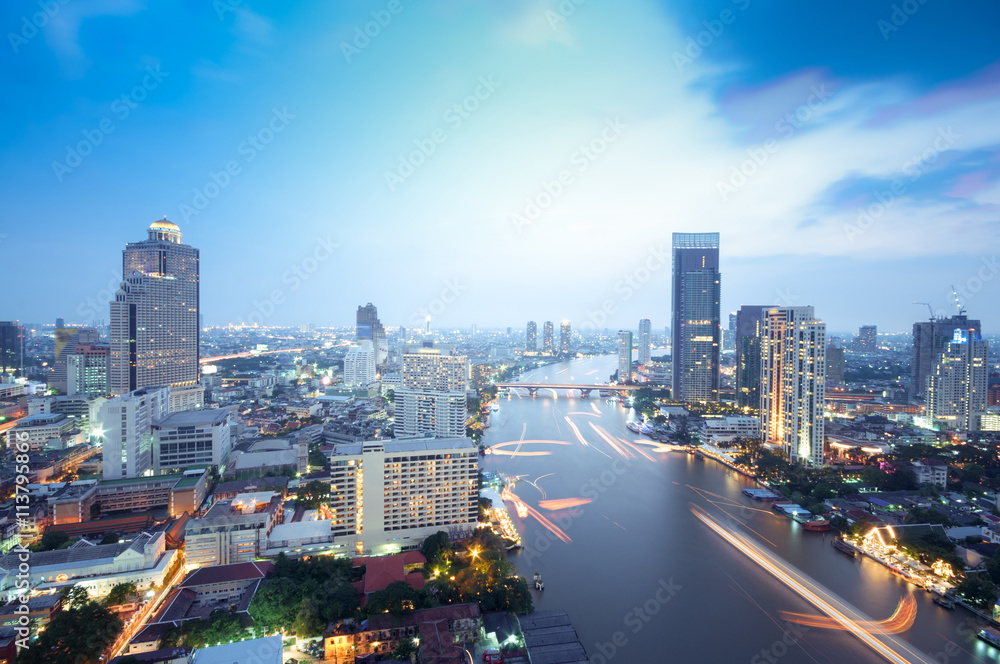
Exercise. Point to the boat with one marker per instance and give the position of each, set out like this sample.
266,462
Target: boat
633,427
539,584
816,525
494,406
943,600
761,494
699,456
841,545
990,635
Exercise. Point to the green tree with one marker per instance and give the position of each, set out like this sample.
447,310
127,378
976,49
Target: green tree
95,510
110,538
316,458
51,540
485,505
122,593
313,494
277,603
77,595
397,598
78,635
404,649
978,590
437,549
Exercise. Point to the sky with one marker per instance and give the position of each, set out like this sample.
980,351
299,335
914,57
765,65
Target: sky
497,162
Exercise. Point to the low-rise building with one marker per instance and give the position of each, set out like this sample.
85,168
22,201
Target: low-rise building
931,471
184,492
232,531
45,430
192,438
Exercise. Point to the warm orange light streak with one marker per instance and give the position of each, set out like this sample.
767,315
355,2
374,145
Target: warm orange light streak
625,454
579,436
640,451
596,409
583,412
562,503
523,510
901,619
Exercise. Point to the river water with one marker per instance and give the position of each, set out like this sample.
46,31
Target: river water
644,580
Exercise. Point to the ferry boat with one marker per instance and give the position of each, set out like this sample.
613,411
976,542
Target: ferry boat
539,584
816,525
844,547
943,600
635,427
699,456
990,635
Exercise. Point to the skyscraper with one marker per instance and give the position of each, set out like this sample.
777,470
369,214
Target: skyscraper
749,327
531,337
645,341
834,365
793,383
370,327
696,317
359,365
67,339
87,370
729,335
548,332
930,338
867,339
956,388
565,334
432,398
624,356
154,316
11,347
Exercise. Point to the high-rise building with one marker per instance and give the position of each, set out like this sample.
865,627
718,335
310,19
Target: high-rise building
359,365
645,341
390,495
834,365
127,425
867,341
60,322
729,335
956,388
793,383
154,316
748,329
565,336
930,338
624,356
432,398
87,370
531,337
369,327
696,317
11,347
66,341
548,334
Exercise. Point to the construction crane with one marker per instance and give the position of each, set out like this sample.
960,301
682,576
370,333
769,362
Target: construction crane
961,309
930,309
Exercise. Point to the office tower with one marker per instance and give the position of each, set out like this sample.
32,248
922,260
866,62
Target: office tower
369,327
531,337
473,329
193,437
867,341
729,335
834,365
66,341
359,365
127,425
11,347
432,398
956,387
930,338
548,344
154,317
402,334
388,495
87,370
565,334
793,383
624,356
696,317
645,341
60,323
747,342
509,331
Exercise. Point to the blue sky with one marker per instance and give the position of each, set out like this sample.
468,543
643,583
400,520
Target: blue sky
492,162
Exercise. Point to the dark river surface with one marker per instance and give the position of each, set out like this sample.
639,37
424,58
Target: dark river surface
644,580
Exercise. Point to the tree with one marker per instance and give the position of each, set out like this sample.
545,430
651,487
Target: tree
313,494
404,649
121,593
276,605
76,595
110,538
397,598
317,459
78,635
485,505
95,510
51,540
390,395
978,589
437,549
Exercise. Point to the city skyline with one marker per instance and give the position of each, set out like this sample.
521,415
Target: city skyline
900,183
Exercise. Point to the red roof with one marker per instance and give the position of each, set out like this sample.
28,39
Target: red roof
383,570
223,573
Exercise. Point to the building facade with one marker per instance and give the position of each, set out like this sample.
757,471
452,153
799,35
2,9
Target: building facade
956,387
126,423
867,339
930,339
359,365
749,326
531,337
645,341
565,337
548,338
190,438
232,531
11,347
793,383
370,328
87,370
696,317
624,356
432,399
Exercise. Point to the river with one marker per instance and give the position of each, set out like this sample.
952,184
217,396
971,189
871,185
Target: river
644,580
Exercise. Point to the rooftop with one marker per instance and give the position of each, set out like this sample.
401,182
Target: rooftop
208,416
254,651
204,576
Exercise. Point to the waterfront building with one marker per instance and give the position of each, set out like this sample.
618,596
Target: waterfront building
565,336
432,399
696,317
387,496
749,327
645,341
548,342
154,317
624,356
956,388
793,380
930,338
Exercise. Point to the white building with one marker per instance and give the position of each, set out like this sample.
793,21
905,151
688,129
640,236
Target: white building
956,386
931,471
359,365
45,431
387,496
728,428
232,531
624,356
793,383
127,425
192,437
432,399
645,341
